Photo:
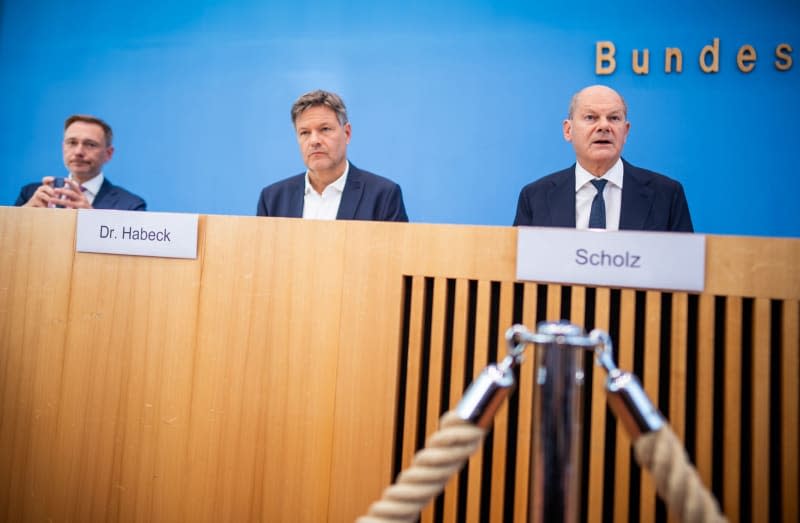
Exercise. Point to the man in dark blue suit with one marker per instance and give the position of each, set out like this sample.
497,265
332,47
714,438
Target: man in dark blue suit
629,198
332,187
86,148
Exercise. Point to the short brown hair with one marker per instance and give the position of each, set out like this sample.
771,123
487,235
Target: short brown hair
91,119
317,98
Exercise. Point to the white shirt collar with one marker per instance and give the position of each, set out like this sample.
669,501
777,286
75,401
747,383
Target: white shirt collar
92,186
613,175
338,185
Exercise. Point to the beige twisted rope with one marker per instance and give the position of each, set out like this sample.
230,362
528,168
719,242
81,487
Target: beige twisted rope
444,454
676,479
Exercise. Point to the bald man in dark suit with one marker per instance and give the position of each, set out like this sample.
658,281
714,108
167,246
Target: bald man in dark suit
626,197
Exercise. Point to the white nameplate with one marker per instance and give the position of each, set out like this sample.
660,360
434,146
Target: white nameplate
168,235
642,260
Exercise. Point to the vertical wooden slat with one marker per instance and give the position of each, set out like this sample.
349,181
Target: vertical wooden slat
678,354
624,357
481,339
435,368
526,391
597,446
553,302
577,306
413,370
650,381
457,384
705,388
500,424
677,375
760,410
790,412
731,438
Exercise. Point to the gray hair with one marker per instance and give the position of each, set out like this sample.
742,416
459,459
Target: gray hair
574,101
320,98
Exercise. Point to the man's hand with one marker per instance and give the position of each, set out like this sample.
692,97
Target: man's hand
44,193
70,196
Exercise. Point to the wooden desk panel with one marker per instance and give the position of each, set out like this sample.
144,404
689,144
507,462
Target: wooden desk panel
261,381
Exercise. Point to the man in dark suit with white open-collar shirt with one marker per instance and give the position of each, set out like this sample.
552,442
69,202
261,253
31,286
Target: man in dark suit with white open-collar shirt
332,187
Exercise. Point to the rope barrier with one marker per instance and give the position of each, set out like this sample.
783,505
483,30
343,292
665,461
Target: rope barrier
656,447
677,481
445,452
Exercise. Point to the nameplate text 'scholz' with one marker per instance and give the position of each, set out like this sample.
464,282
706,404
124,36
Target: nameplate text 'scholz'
607,259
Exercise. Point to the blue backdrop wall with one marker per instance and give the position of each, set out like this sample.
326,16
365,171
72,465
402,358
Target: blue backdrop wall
461,102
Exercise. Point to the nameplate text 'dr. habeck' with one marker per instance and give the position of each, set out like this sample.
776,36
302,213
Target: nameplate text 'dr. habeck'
135,233
641,260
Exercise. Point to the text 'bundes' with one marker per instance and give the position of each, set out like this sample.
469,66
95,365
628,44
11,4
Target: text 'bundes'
708,58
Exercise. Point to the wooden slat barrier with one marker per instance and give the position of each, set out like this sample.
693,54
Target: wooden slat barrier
292,369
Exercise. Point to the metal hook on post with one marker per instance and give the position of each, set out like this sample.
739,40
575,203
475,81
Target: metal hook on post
625,394
485,395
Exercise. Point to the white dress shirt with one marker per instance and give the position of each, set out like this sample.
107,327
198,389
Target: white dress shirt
91,188
324,206
585,192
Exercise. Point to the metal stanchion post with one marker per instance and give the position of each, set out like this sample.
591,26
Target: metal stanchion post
556,423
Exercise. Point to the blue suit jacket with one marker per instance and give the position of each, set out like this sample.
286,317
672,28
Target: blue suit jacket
109,196
366,196
650,202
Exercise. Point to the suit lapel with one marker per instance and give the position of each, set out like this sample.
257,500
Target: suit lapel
297,198
561,199
351,196
105,192
637,199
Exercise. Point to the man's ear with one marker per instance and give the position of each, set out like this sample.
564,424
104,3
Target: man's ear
566,127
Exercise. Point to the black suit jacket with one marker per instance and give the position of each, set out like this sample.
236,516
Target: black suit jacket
109,196
650,202
366,196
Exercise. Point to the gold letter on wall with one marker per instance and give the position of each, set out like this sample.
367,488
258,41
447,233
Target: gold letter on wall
714,50
604,54
784,61
669,54
746,58
644,67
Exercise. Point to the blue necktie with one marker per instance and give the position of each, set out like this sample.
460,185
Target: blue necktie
597,218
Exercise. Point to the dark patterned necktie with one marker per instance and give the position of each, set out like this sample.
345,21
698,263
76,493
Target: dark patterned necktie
597,218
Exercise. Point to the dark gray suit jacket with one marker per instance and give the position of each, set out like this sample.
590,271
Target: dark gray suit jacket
109,196
650,201
366,196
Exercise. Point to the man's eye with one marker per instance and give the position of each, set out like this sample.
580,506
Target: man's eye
589,117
